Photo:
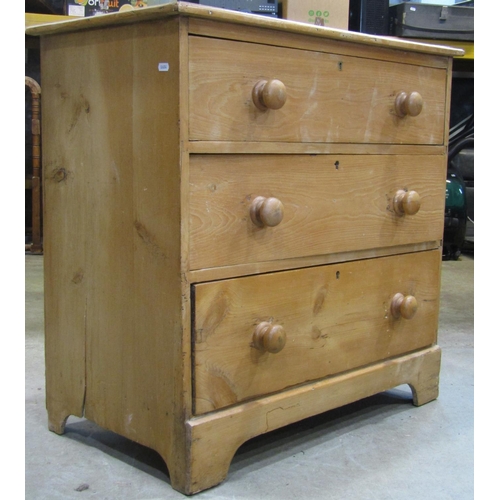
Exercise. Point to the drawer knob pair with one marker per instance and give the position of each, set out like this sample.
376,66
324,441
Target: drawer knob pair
266,211
272,338
409,104
403,306
269,338
406,202
269,94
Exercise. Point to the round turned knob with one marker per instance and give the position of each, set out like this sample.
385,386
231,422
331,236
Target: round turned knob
269,94
406,202
269,338
409,104
266,211
404,306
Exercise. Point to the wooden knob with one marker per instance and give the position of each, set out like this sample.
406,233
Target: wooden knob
406,202
409,104
269,94
269,338
404,306
266,211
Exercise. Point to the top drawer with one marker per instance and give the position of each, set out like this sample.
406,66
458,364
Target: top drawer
330,98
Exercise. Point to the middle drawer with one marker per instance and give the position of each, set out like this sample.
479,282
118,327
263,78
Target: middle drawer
319,204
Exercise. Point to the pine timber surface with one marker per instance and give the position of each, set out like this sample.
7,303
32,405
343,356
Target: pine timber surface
343,204
147,226
327,316
240,18
322,89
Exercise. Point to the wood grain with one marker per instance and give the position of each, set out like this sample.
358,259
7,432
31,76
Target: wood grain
236,18
318,40
114,301
330,98
32,19
331,204
336,318
216,436
216,273
242,147
66,220
152,158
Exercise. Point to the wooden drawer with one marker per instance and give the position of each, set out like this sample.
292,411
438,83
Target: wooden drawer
330,204
335,318
329,97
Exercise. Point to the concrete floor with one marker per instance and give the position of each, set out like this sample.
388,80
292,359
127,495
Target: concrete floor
379,448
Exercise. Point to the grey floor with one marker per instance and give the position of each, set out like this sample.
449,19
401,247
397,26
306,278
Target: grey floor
379,448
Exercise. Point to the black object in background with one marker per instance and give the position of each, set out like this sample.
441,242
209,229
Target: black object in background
262,7
45,6
437,22
369,16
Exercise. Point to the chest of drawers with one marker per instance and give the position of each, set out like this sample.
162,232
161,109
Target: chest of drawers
243,222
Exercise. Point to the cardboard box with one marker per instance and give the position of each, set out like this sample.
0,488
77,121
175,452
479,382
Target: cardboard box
86,8
328,13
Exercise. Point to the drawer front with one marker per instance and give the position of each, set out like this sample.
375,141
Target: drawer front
326,320
328,205
329,98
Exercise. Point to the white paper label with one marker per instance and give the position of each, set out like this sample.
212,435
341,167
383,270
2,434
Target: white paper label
76,10
164,66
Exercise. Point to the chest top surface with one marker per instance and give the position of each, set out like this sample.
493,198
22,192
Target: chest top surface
205,12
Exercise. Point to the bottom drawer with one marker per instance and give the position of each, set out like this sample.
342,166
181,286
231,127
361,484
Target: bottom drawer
261,334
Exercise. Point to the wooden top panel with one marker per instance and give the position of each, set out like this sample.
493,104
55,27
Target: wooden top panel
199,11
